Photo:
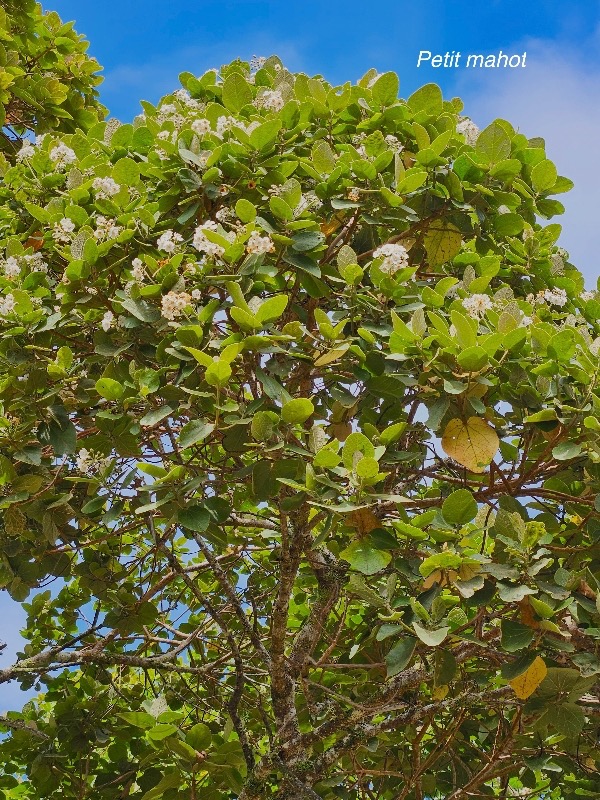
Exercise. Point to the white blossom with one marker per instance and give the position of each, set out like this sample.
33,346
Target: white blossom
12,268
168,241
90,463
196,294
201,126
35,262
271,100
168,112
354,195
184,96
137,270
106,229
105,187
477,305
258,244
555,297
394,143
174,303
63,230
62,155
27,151
7,305
585,296
202,244
107,321
224,124
469,130
395,257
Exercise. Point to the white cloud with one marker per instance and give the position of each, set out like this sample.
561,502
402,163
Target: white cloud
556,97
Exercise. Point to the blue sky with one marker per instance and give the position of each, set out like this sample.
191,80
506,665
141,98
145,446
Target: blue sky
144,44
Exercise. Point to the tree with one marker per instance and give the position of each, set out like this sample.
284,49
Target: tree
47,81
300,453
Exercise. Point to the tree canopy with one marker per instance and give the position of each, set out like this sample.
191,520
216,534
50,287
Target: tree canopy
47,82
300,460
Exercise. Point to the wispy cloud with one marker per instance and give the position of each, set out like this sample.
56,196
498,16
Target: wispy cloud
555,96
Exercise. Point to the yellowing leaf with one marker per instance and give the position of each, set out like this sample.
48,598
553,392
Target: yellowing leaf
524,685
472,443
442,242
332,355
364,520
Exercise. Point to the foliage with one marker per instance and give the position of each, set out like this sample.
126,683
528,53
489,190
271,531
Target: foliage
300,430
47,82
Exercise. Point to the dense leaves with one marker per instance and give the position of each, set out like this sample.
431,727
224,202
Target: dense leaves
300,433
47,82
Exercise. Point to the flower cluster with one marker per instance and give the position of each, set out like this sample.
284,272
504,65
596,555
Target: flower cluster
394,143
106,229
27,151
271,100
168,112
7,305
174,304
11,267
138,271
554,297
477,305
105,188
62,231
201,126
395,257
202,244
258,244
469,130
62,155
90,463
107,321
586,296
168,241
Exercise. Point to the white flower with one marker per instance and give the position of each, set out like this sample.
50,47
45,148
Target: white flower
168,113
137,270
12,268
202,244
256,62
271,100
258,244
224,124
354,195
469,130
174,303
525,321
168,240
39,139
107,321
63,230
585,296
555,297
89,463
196,294
35,262
7,305
163,135
477,305
105,187
106,229
224,214
184,96
201,126
62,155
395,257
27,151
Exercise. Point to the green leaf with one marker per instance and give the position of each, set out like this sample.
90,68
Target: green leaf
472,359
515,636
126,171
265,135
445,667
196,518
140,719
493,143
431,638
263,425
444,560
218,374
427,99
355,446
161,731
385,89
323,158
272,308
398,658
195,431
109,389
297,411
508,224
364,557
543,175
199,737
460,507
566,450
245,210
236,92
307,240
